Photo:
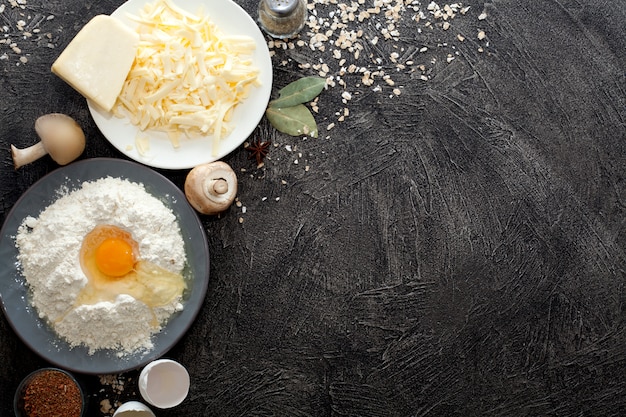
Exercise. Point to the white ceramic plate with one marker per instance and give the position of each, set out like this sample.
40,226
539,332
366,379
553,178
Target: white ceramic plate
231,19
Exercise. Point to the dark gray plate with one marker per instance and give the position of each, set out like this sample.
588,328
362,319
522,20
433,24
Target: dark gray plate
14,292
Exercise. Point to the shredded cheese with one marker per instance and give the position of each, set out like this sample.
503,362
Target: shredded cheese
188,76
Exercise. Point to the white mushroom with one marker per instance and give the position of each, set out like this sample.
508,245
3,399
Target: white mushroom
61,137
211,188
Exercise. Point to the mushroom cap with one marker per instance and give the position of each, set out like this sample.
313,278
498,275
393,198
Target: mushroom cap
211,188
61,137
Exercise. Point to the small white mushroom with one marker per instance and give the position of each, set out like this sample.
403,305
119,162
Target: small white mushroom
61,138
211,188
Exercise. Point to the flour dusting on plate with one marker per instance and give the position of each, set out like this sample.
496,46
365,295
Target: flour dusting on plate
49,253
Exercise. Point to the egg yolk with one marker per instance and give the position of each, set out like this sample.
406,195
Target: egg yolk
110,259
108,250
114,257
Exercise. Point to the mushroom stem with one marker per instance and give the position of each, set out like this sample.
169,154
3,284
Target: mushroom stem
220,186
25,156
216,187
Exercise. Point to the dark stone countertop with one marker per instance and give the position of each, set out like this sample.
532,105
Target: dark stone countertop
454,250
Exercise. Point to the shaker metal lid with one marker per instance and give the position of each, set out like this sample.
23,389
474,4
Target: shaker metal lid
281,8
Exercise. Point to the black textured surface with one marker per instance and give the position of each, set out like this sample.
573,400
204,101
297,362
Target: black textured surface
456,250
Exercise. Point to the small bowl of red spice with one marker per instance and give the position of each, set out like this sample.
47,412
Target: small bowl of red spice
49,392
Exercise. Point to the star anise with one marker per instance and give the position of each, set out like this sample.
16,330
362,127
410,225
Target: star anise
258,150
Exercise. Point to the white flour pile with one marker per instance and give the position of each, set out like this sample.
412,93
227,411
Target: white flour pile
49,248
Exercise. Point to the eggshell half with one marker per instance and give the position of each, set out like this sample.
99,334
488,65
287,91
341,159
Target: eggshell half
164,383
133,409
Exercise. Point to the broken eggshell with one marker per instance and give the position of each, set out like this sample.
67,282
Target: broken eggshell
133,409
164,383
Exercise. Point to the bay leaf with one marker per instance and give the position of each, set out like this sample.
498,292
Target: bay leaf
299,92
293,120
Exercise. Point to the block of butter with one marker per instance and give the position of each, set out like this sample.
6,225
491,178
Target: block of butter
97,61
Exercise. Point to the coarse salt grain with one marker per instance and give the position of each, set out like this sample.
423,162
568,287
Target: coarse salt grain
329,31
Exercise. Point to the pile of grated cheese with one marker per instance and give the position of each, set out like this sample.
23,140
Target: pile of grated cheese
188,76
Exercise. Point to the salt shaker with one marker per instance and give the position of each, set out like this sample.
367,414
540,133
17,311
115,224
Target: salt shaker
282,19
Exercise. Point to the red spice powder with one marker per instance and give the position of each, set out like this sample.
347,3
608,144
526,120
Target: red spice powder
52,393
